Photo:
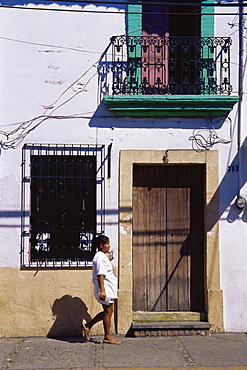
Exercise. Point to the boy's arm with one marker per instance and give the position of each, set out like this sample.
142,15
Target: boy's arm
102,294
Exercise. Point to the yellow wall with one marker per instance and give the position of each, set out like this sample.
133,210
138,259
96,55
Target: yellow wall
46,302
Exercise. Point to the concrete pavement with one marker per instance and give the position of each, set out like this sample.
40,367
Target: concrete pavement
228,350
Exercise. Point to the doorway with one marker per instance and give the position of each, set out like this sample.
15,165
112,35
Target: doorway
168,238
208,161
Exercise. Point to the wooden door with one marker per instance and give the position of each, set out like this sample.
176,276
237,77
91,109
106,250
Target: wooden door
168,238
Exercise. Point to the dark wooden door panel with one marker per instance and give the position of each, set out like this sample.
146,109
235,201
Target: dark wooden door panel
149,239
156,242
178,267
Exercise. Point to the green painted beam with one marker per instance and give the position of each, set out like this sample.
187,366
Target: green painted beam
170,105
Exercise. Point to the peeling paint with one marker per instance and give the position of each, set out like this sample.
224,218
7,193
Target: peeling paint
49,51
122,230
165,158
59,82
127,218
48,106
53,67
126,224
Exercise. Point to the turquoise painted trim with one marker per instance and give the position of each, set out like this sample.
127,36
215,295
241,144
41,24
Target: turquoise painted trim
207,30
207,21
170,105
135,29
135,20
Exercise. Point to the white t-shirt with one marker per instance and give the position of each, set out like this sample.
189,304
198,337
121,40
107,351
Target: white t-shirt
103,266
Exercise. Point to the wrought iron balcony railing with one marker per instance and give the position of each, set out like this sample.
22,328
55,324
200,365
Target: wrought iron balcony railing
170,65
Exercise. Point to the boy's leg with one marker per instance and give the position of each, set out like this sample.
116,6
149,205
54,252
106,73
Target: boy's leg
108,311
88,325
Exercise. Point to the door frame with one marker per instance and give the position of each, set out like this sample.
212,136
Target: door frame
213,293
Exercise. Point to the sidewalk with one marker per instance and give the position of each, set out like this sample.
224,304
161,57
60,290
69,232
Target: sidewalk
217,350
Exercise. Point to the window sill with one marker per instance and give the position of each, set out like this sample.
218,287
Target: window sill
170,105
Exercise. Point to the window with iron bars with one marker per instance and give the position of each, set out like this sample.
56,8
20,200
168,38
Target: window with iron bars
62,204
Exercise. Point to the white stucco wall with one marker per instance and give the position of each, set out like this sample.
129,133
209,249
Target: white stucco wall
233,230
48,67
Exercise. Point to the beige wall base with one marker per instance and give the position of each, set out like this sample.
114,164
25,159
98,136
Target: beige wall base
124,317
215,310
43,302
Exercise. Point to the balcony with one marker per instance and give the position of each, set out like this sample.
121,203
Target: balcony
162,75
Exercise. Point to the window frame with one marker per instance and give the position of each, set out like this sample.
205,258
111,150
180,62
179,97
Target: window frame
30,150
134,22
135,29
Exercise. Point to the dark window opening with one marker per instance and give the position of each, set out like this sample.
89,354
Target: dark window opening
63,206
171,20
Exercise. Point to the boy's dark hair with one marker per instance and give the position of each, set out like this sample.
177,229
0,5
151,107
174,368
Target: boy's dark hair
101,239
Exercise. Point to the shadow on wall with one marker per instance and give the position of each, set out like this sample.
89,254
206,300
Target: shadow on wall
228,191
69,312
103,118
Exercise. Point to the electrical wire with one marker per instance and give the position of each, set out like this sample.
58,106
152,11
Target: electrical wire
198,139
26,127
204,139
49,45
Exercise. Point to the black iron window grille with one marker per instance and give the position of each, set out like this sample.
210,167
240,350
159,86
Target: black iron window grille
62,204
170,65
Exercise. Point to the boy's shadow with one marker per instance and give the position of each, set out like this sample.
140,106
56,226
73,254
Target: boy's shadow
69,314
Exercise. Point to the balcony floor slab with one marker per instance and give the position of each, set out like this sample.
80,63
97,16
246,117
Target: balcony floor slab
170,105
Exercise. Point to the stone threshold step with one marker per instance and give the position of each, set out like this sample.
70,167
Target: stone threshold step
170,328
142,325
169,316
